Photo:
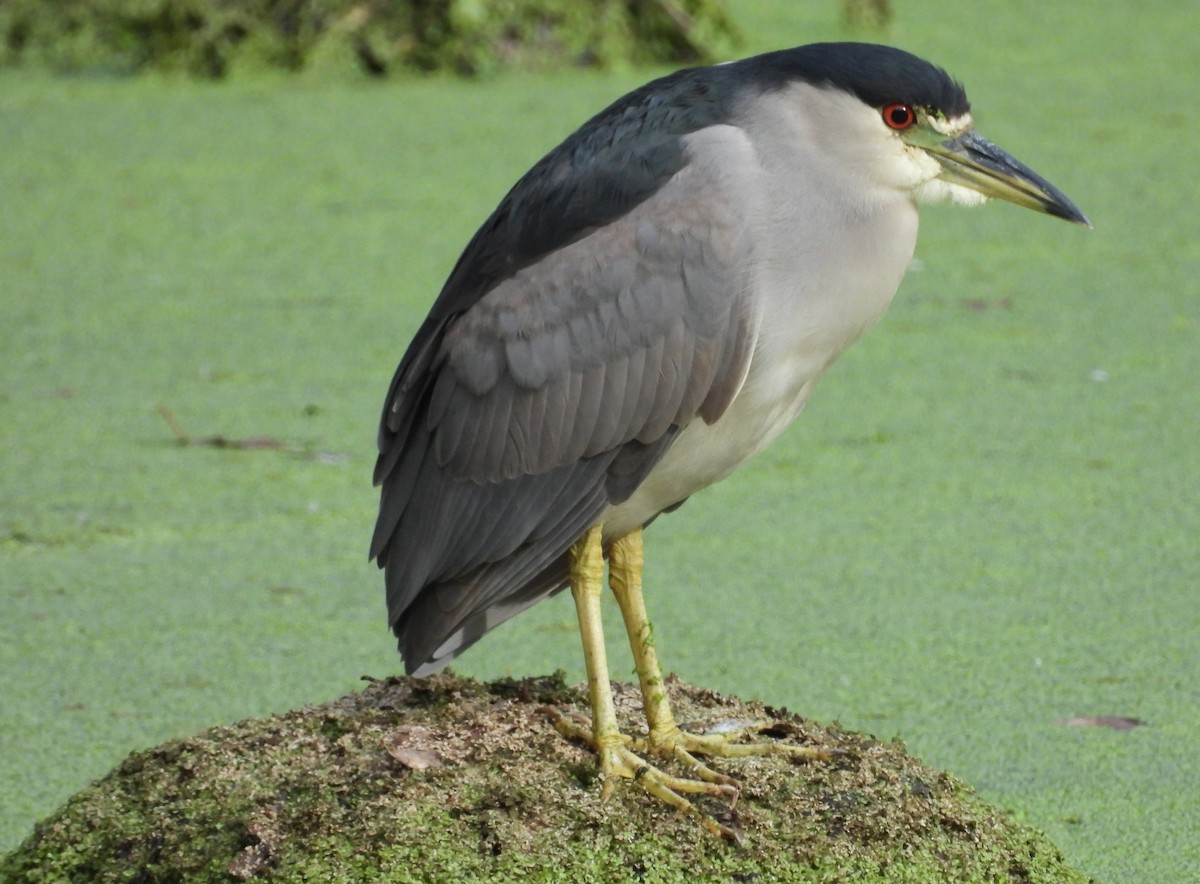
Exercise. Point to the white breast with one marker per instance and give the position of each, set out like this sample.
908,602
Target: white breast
830,261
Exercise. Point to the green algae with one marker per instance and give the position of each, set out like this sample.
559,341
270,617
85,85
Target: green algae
968,538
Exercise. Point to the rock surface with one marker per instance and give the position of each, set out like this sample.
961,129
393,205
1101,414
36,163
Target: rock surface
448,779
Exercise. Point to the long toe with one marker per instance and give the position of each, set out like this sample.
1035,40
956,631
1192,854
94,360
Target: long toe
618,761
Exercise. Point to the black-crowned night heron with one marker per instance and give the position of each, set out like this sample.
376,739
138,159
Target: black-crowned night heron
646,309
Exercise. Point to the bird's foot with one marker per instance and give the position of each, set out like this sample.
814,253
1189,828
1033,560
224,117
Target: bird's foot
618,760
673,741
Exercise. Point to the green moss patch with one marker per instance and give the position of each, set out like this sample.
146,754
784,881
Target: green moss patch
453,779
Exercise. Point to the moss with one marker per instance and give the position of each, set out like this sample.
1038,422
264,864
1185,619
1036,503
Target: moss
459,780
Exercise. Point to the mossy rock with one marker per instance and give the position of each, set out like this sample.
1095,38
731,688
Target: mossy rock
448,779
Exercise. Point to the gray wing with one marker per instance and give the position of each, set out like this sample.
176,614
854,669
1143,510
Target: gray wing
518,420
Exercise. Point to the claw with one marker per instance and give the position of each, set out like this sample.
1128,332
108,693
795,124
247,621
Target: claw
618,762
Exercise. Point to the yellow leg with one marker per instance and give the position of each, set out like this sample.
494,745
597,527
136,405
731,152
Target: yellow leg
665,738
616,760
625,579
587,582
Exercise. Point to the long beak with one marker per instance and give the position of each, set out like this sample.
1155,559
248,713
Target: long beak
973,161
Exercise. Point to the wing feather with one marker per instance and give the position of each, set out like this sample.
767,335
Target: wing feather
645,395
631,392
553,394
609,432
585,413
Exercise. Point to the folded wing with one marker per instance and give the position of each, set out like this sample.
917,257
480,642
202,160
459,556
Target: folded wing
514,422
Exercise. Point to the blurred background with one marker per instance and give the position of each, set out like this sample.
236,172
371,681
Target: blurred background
221,222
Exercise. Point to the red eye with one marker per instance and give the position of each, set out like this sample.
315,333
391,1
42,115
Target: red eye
899,116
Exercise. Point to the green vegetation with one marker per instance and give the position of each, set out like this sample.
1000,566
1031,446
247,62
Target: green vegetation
461,781
984,524
211,38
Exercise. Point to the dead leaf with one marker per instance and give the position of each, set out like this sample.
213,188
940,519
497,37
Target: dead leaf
1116,722
259,856
404,746
981,304
415,759
184,438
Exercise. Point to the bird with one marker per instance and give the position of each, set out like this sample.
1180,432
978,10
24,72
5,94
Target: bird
648,308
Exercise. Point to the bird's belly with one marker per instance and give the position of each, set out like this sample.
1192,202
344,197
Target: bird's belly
707,453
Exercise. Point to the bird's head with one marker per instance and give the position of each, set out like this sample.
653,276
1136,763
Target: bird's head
969,167
903,123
